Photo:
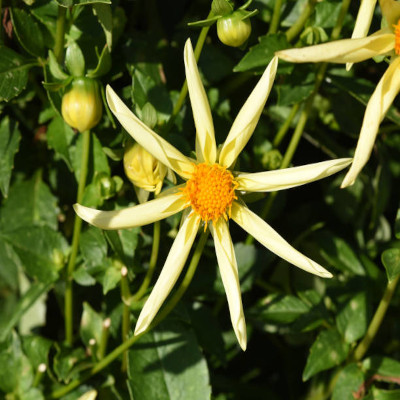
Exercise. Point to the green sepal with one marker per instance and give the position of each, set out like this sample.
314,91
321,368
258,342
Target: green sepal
205,22
103,64
55,68
249,14
74,60
221,7
391,262
55,86
245,5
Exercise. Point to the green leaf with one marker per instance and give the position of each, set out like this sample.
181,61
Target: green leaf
28,32
282,309
129,240
11,359
207,329
9,142
93,246
9,267
37,349
391,261
59,138
66,361
328,351
29,298
246,256
261,54
326,14
349,381
397,224
71,3
83,278
30,394
41,250
316,314
336,252
297,87
167,364
147,87
30,203
91,325
111,278
104,14
361,89
382,366
382,394
13,73
352,319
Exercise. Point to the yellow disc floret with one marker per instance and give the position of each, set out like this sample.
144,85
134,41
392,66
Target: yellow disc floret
210,191
397,37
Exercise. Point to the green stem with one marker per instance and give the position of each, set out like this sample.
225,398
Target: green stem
133,339
297,27
105,332
184,90
41,369
126,314
275,17
152,264
75,241
60,34
376,321
285,126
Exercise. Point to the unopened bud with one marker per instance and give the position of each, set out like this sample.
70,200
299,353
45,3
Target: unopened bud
107,323
42,368
81,105
142,169
233,30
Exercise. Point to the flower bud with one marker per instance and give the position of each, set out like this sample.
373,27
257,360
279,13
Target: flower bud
142,169
233,30
81,105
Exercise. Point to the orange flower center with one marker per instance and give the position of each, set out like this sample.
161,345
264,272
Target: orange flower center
397,38
210,191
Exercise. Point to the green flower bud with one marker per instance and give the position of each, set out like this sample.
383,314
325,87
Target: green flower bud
81,105
272,159
233,30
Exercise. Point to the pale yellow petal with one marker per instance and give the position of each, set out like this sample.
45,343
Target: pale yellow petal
130,217
391,11
153,143
378,105
363,22
230,278
290,177
247,119
342,51
170,273
206,149
262,232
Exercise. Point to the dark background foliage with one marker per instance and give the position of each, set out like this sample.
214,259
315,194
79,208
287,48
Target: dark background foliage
303,331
